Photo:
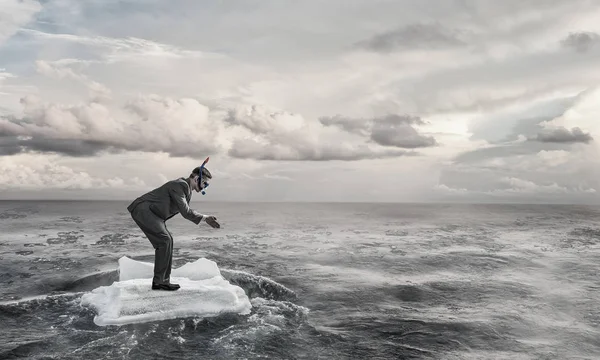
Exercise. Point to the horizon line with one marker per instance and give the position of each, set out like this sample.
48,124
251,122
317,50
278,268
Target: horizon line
423,202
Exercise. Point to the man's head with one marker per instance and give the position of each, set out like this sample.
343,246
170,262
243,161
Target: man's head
200,178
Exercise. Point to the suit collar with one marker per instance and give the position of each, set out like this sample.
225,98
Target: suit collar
189,188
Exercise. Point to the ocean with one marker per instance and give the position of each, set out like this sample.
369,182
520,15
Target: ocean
323,281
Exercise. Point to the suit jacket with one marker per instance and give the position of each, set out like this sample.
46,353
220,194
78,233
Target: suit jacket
168,200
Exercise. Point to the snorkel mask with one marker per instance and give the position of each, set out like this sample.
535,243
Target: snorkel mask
203,181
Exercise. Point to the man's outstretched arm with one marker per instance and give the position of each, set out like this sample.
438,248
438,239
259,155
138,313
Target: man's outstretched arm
177,193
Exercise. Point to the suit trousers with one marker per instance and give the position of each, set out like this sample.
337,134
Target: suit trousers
161,239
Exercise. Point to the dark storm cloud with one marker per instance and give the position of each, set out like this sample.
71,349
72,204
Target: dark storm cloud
414,36
11,145
581,41
70,147
564,135
390,130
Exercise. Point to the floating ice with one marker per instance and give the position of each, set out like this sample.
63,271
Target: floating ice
204,292
200,269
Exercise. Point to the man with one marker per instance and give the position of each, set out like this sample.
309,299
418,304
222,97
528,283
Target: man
151,211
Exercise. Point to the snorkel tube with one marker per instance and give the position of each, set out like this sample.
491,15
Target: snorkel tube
200,176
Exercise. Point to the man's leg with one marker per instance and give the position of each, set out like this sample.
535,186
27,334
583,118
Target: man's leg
169,256
160,242
161,259
155,230
162,264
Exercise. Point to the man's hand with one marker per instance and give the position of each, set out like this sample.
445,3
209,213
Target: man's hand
212,221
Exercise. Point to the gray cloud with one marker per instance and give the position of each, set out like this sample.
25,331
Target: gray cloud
257,120
526,76
390,130
501,151
511,125
521,172
88,129
250,149
351,125
402,136
15,14
564,135
11,145
581,41
70,147
414,36
362,126
280,135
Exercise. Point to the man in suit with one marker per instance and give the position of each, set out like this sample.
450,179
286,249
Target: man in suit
151,211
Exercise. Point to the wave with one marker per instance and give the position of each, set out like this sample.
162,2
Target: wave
89,282
258,286
253,285
270,321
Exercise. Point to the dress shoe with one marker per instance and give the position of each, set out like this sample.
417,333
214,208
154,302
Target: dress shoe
167,286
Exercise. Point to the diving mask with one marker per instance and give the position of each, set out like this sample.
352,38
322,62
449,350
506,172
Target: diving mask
204,177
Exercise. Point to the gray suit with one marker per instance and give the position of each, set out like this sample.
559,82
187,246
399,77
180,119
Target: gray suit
151,211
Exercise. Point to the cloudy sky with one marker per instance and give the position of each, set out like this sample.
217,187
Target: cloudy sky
339,100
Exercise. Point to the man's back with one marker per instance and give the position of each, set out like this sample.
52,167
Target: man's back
169,199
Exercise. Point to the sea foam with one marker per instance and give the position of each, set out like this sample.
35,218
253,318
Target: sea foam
203,293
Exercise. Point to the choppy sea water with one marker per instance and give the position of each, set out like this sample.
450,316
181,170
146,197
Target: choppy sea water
326,281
